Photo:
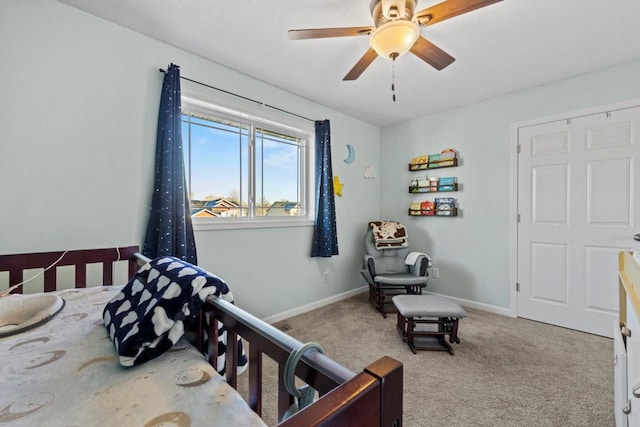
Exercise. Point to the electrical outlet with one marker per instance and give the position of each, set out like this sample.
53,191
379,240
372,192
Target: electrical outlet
436,273
325,276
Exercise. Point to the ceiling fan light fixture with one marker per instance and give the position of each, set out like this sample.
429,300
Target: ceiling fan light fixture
394,38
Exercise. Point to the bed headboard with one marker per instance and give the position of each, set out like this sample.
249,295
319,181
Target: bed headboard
80,258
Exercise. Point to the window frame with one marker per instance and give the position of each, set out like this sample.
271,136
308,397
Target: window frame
202,104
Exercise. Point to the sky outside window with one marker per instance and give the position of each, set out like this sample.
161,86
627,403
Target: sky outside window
216,157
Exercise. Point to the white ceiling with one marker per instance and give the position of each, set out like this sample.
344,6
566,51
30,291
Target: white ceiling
499,49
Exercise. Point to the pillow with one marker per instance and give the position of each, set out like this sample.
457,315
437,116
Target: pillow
151,312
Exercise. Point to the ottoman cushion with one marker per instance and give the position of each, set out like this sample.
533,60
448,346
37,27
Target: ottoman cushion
427,306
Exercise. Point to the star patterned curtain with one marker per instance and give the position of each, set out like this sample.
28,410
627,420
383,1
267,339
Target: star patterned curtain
169,231
325,234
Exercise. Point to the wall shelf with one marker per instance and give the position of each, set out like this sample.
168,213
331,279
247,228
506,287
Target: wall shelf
420,190
445,163
439,214
441,206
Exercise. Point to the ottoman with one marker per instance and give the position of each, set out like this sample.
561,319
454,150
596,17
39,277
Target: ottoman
416,310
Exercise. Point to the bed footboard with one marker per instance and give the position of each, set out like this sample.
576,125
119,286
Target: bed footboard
370,398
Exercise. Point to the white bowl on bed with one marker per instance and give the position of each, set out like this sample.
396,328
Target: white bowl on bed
21,312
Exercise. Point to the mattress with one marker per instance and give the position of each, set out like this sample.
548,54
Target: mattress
65,373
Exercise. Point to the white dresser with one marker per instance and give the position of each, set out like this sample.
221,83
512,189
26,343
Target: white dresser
627,344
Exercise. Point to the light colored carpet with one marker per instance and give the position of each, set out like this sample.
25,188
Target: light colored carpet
505,372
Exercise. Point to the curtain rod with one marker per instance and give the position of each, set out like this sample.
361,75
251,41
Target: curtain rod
243,97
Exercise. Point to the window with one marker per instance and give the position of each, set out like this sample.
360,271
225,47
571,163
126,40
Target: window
243,170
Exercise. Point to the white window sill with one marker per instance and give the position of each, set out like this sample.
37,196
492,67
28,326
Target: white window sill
221,224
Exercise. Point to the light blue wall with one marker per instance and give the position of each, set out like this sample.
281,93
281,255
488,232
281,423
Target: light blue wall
472,251
78,115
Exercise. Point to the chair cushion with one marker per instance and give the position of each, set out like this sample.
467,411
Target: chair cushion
400,279
387,265
427,306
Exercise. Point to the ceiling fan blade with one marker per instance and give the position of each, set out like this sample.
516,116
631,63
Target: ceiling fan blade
431,54
449,9
321,33
361,65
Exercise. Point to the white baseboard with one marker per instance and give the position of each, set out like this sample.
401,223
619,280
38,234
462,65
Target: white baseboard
478,305
335,298
316,304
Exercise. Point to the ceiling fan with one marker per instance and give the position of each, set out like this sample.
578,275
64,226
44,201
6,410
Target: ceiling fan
397,31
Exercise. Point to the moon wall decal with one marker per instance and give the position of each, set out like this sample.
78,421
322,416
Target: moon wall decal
352,154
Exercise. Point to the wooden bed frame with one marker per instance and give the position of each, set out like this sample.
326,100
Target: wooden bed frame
372,397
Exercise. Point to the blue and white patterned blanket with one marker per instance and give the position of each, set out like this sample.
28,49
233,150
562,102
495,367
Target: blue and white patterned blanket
151,312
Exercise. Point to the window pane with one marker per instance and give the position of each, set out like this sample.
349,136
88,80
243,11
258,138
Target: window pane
277,171
237,168
218,164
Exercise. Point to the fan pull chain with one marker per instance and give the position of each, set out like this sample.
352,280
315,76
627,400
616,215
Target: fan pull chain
393,76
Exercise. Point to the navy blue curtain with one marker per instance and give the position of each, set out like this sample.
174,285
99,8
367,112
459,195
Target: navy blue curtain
169,231
325,234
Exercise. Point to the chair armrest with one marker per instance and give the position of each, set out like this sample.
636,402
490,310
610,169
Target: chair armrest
370,265
420,266
366,275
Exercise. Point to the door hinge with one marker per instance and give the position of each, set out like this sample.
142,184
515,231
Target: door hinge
518,148
517,286
518,218
627,409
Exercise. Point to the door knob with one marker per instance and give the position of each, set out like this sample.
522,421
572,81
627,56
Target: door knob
636,237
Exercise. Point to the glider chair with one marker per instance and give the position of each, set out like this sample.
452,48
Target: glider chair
390,267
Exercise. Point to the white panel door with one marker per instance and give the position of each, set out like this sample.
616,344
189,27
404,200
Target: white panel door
578,204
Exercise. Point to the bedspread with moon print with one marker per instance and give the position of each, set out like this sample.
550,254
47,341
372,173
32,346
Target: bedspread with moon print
66,373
